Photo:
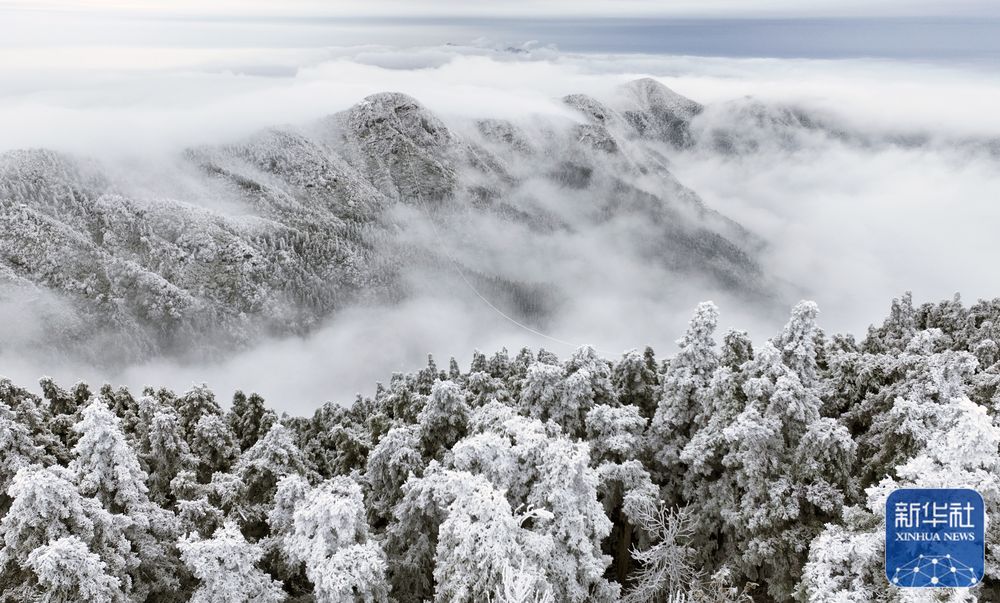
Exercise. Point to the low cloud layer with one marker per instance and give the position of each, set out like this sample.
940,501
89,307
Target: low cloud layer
896,191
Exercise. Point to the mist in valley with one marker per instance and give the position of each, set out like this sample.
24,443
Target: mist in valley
845,181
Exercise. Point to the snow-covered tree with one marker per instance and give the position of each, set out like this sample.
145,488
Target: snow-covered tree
19,448
567,488
329,535
542,393
213,446
249,419
538,468
482,389
390,464
193,405
787,485
479,540
402,400
63,411
797,342
46,506
165,454
411,539
896,331
636,381
564,394
226,567
259,469
587,383
105,465
615,433
960,450
67,571
29,411
107,468
708,484
666,566
520,585
688,374
443,420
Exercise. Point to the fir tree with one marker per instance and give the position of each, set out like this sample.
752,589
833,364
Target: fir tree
688,374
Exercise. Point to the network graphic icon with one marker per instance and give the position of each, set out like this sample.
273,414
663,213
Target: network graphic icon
935,570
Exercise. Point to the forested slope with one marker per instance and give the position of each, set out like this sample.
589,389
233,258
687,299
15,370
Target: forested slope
271,235
729,470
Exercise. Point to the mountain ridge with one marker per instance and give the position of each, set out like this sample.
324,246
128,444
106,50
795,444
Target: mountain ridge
318,231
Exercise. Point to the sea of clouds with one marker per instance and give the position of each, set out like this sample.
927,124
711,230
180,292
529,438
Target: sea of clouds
906,199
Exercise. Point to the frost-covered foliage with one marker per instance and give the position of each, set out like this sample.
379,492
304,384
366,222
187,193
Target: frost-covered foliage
106,466
226,566
328,533
68,571
728,471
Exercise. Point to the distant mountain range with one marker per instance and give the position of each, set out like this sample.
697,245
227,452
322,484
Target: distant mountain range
272,234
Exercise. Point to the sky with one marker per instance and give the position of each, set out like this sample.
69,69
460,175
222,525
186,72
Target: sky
853,225
526,8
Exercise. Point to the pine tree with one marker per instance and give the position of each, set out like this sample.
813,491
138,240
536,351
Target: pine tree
708,483
63,411
45,507
636,381
108,469
542,393
615,433
896,331
586,382
165,455
192,406
540,469
411,539
29,411
616,438
226,566
479,540
67,571
249,419
688,374
797,343
392,462
105,465
329,535
444,419
20,451
790,468
213,445
454,373
567,488
402,400
667,565
259,470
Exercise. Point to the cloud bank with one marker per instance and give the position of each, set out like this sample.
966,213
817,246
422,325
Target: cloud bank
895,191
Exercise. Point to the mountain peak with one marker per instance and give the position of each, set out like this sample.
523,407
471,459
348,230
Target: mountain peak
387,114
650,94
657,112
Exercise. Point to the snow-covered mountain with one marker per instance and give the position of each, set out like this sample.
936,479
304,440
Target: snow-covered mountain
272,234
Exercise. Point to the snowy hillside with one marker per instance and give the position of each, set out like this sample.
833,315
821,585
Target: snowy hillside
272,234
